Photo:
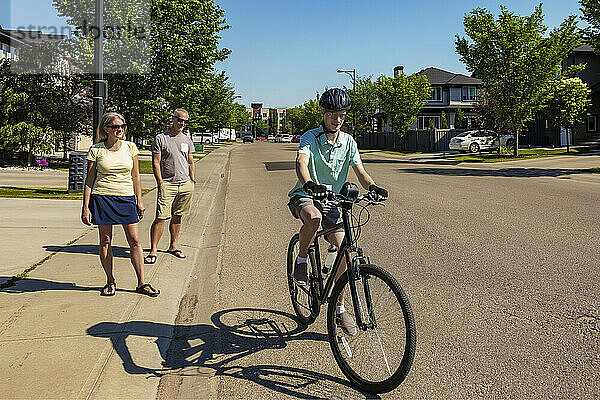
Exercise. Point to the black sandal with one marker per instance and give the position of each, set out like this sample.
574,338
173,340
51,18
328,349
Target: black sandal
150,259
150,292
112,289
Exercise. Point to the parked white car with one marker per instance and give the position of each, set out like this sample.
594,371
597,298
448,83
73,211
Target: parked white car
286,138
478,140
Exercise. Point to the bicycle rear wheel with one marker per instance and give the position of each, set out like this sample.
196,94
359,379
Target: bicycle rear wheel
303,297
377,358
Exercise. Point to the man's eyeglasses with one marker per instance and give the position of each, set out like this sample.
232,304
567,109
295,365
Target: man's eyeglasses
117,126
335,116
185,121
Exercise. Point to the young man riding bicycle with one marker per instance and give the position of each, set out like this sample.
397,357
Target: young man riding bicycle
324,156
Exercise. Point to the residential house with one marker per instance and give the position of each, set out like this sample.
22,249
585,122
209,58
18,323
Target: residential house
449,91
541,133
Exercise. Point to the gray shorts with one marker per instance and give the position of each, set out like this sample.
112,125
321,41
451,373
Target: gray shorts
330,217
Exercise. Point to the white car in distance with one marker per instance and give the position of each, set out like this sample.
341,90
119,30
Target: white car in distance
478,140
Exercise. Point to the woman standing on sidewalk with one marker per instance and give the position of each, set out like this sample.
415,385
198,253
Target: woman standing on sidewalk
113,196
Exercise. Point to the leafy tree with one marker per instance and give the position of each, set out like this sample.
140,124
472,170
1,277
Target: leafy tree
591,14
364,103
444,120
515,60
459,119
568,103
261,127
305,117
401,99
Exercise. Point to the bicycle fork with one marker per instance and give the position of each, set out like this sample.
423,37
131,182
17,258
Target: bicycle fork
365,319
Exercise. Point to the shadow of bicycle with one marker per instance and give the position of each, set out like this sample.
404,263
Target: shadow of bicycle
233,335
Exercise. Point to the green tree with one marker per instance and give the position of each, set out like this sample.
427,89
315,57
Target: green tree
444,120
515,60
401,99
305,117
591,14
568,103
459,119
261,128
364,103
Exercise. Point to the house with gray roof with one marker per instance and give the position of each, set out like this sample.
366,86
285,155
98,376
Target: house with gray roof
449,91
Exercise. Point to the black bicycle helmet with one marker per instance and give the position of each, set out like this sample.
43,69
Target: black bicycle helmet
335,100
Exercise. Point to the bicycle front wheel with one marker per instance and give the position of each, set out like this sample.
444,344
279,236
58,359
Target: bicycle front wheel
377,358
303,297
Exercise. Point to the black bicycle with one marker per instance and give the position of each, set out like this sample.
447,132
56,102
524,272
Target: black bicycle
378,357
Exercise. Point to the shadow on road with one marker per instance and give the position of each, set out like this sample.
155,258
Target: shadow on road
504,172
233,335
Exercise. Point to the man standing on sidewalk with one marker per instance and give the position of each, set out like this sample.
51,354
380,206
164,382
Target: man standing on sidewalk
174,170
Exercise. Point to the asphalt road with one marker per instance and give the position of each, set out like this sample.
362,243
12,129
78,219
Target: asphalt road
498,260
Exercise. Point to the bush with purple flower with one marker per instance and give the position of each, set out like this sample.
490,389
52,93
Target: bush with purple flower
41,163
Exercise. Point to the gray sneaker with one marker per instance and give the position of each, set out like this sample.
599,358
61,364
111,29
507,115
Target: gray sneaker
346,322
301,273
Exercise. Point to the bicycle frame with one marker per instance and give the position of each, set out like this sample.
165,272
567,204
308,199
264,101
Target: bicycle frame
346,248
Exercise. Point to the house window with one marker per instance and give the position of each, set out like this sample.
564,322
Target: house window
264,115
591,123
469,93
436,94
423,122
4,51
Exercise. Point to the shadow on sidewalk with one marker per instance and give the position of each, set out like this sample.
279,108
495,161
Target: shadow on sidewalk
234,334
118,251
27,285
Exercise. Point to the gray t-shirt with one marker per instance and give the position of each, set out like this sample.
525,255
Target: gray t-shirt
174,151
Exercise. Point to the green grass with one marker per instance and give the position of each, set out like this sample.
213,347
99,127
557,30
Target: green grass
43,193
524,154
400,153
145,166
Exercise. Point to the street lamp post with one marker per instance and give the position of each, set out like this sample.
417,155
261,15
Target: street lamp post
352,74
99,84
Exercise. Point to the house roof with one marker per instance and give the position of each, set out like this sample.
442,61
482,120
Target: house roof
438,76
583,49
24,37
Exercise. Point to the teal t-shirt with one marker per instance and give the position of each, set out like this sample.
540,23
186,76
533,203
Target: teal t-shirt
327,162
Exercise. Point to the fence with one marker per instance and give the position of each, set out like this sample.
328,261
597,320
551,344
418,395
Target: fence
416,140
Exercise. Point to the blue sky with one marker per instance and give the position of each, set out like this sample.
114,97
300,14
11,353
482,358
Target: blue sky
284,51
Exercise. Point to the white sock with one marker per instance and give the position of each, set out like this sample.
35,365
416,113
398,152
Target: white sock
340,309
301,259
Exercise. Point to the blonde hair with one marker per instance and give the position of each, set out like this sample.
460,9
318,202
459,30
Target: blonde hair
106,119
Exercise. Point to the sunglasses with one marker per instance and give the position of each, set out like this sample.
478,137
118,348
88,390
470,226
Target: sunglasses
117,126
185,121
335,116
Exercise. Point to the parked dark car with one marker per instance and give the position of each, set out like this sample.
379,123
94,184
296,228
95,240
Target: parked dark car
248,138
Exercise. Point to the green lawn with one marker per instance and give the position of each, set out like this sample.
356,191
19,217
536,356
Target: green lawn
43,193
524,154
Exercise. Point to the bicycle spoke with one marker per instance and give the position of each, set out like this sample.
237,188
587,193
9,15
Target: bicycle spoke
377,360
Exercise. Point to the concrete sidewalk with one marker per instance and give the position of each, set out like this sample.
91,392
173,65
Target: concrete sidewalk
60,339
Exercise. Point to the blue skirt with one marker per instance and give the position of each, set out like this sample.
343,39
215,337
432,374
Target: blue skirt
113,210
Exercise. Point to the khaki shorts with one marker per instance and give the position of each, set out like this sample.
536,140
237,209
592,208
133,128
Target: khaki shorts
329,218
174,199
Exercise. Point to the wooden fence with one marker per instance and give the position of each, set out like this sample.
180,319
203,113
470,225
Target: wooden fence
416,140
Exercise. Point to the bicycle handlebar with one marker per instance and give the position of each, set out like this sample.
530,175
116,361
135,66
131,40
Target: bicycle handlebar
333,197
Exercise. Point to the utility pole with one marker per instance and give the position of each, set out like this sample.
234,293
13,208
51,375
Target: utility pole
352,74
99,83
